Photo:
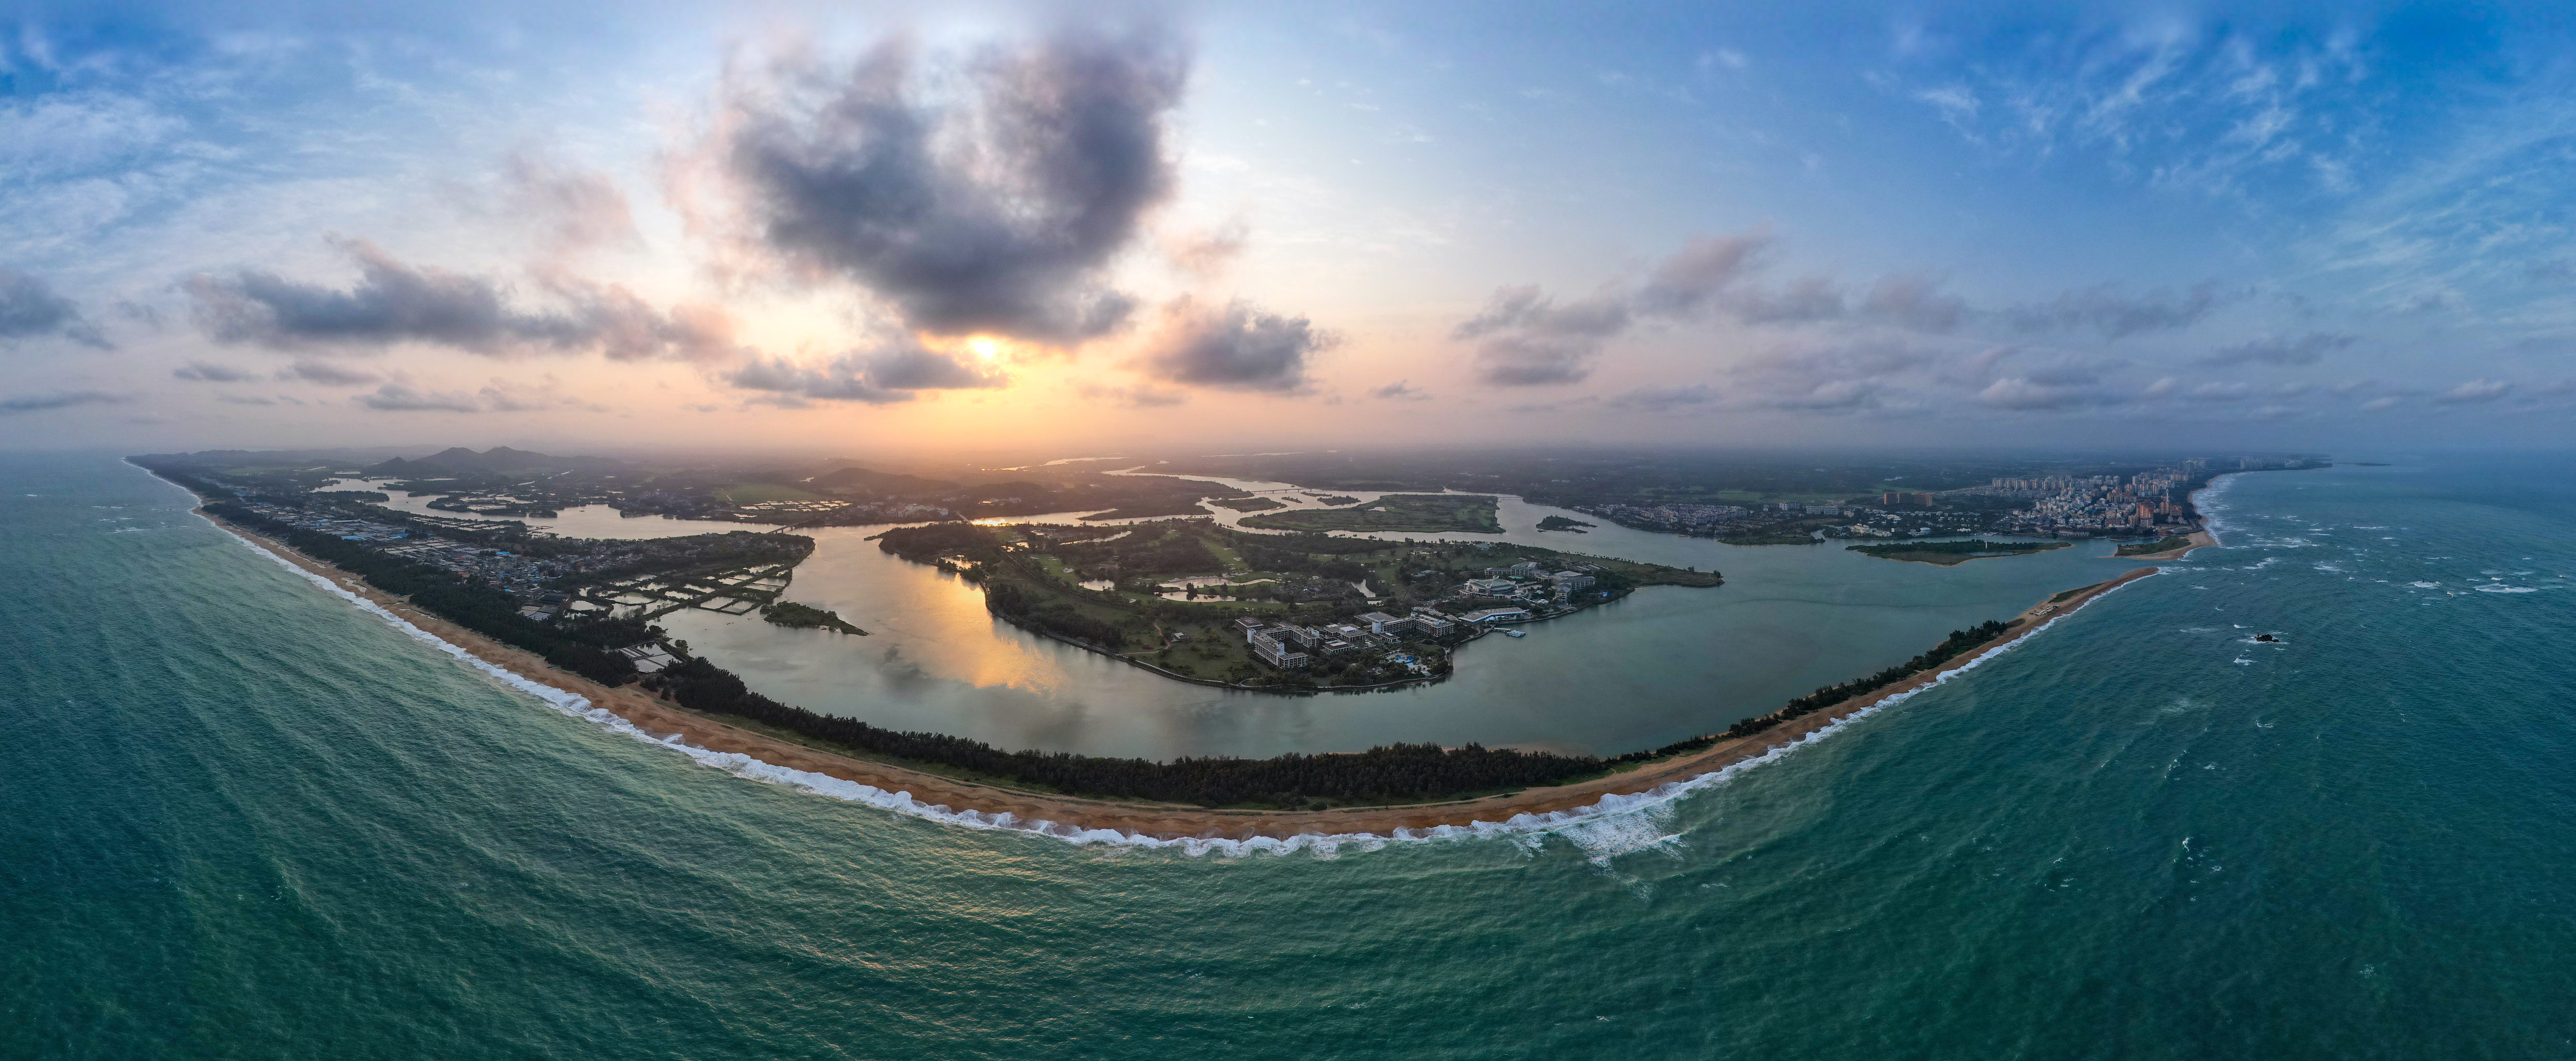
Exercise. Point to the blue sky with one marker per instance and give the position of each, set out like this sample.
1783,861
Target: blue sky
1840,225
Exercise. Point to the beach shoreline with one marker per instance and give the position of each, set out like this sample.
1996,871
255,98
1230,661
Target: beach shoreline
664,722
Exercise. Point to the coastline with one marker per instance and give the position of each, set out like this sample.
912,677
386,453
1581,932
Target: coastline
976,804
2200,539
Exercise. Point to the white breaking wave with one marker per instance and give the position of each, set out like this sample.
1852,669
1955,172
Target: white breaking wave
1617,825
2501,588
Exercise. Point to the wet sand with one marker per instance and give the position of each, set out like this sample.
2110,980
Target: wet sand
668,721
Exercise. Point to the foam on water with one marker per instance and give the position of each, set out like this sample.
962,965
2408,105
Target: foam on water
1619,824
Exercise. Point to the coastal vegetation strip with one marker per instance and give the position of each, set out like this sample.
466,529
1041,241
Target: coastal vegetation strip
2171,547
1949,554
1394,514
1560,523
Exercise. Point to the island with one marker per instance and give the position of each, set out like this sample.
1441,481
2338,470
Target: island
1394,514
806,617
1200,602
1247,504
1560,523
1951,554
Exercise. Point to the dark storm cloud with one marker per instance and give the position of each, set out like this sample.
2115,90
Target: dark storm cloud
30,308
1238,348
2305,350
994,212
395,302
876,377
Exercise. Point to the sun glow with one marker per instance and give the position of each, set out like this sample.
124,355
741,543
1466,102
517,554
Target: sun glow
984,346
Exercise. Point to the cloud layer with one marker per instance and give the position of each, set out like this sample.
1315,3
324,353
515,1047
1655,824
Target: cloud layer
993,206
29,308
395,302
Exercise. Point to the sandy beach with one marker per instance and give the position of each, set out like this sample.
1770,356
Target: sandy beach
667,720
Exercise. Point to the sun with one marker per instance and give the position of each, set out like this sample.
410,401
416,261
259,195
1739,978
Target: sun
984,346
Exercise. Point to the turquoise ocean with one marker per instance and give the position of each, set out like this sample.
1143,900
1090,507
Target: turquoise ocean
240,817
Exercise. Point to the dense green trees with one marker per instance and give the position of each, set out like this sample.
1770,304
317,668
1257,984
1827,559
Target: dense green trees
1390,773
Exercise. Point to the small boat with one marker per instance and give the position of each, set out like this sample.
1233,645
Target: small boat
1515,633
2267,639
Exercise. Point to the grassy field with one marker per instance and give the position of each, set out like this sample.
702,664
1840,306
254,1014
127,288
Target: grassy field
1395,513
754,493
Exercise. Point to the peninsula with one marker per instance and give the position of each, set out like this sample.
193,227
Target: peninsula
1197,601
473,599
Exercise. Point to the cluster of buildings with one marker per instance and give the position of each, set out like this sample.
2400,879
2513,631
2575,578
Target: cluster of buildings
1526,580
518,574
1289,646
2097,504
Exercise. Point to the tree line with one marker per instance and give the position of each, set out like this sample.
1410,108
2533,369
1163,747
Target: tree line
1388,773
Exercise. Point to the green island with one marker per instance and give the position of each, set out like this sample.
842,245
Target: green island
1951,554
1247,504
806,617
2167,543
1206,603
1394,514
1332,499
1560,523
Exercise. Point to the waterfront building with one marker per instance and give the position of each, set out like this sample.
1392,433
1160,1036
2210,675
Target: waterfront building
1275,654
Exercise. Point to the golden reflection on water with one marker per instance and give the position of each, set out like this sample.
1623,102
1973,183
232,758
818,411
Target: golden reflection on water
956,638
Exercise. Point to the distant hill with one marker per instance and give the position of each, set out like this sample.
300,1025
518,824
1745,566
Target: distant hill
887,483
499,460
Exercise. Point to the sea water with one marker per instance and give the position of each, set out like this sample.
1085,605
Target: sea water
242,817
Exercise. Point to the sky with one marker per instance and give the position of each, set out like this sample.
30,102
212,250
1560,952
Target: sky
855,227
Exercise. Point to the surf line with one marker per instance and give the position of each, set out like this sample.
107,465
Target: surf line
1526,826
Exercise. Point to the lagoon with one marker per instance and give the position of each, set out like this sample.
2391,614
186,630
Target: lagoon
1664,664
